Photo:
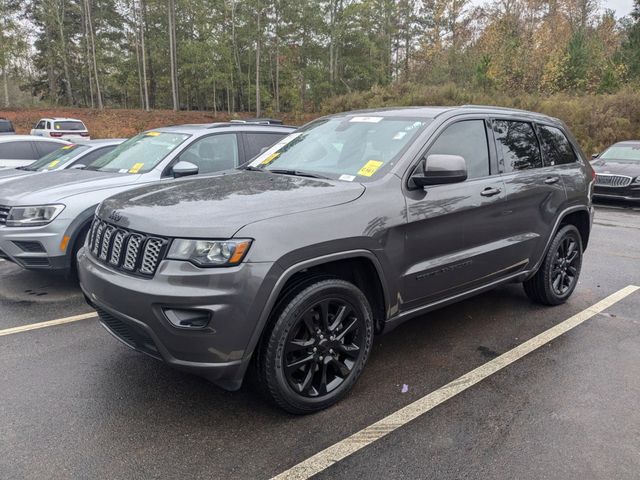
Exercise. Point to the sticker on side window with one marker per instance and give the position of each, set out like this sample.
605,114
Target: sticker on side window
136,167
370,168
366,119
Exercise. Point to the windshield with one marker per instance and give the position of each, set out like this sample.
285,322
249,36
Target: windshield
343,148
69,126
624,153
57,158
139,154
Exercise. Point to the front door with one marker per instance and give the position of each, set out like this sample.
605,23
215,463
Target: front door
455,233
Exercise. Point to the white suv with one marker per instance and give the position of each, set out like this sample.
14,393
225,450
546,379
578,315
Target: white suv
63,128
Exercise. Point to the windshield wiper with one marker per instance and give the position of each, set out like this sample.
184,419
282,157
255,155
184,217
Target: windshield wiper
27,168
298,173
251,168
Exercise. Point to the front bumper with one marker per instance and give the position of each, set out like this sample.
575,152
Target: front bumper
630,193
135,310
35,248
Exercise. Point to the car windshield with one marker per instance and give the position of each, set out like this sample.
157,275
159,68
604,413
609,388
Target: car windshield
69,125
624,153
57,158
343,148
139,154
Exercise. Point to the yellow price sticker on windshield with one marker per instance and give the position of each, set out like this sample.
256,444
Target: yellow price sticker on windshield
136,168
67,147
370,168
152,134
270,158
53,164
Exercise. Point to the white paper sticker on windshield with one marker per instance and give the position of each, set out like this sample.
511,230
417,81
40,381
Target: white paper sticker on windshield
347,178
366,119
399,135
123,170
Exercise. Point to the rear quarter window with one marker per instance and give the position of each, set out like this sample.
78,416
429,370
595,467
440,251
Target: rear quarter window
555,146
255,143
18,151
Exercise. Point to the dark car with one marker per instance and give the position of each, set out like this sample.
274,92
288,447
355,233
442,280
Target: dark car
344,229
6,127
618,172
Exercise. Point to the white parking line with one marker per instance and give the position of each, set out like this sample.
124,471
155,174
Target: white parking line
50,323
350,445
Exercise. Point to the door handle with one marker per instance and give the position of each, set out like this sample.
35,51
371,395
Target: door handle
490,192
551,180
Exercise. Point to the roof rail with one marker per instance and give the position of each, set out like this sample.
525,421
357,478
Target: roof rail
259,121
506,109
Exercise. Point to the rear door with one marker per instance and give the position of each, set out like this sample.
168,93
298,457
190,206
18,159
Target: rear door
535,191
455,236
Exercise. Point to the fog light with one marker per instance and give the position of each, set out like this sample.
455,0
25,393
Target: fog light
188,319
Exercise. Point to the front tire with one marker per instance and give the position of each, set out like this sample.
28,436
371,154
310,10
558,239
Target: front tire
557,277
317,347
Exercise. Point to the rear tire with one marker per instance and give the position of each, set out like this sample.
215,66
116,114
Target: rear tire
318,346
557,277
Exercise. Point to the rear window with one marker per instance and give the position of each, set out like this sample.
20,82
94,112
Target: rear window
518,145
57,158
5,126
69,126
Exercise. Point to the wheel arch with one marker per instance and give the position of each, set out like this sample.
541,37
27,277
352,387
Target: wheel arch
82,221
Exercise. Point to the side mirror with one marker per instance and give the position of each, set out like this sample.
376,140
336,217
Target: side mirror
595,155
441,169
79,166
184,169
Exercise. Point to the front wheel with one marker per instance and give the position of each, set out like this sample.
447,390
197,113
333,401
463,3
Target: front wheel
557,277
318,346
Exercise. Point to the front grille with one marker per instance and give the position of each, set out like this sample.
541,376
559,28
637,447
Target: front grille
617,181
125,250
132,335
4,213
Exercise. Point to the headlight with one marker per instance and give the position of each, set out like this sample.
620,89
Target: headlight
209,253
33,216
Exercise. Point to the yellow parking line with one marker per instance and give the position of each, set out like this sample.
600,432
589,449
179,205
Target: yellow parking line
359,440
50,323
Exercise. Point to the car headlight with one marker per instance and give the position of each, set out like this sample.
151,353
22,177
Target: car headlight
209,253
33,216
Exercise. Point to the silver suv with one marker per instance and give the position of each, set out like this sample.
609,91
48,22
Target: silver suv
44,218
346,228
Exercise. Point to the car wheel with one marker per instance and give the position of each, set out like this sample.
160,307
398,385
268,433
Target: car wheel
317,347
557,277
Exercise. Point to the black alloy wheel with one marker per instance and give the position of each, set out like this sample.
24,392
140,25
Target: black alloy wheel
317,346
557,276
323,347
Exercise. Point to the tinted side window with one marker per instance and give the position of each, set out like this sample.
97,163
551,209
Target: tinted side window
40,125
92,156
213,153
5,126
17,151
557,149
255,142
45,148
518,144
469,140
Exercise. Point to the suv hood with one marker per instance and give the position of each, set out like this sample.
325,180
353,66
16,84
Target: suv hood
632,169
8,174
218,206
56,186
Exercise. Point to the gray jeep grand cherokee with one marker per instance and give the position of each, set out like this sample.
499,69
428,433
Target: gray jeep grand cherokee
344,229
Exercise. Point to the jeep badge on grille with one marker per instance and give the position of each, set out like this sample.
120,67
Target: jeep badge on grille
115,216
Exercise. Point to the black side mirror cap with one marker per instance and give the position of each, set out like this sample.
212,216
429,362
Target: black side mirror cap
439,170
184,169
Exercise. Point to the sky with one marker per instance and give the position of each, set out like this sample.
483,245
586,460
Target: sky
621,7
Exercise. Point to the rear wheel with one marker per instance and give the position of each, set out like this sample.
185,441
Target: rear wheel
317,347
558,275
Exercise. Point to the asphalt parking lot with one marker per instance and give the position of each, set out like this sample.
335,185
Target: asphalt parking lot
75,403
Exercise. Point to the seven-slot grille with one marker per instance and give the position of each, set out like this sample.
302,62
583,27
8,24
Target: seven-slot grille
4,213
607,180
125,250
